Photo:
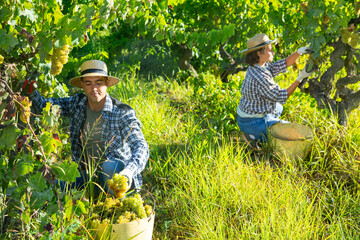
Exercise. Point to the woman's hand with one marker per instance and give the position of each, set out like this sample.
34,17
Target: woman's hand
304,50
303,74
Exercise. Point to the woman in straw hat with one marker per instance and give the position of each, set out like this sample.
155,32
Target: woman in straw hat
101,128
261,98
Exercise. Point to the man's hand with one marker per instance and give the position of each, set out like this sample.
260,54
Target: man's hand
27,87
304,74
304,50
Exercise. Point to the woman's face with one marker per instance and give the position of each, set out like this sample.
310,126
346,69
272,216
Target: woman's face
267,55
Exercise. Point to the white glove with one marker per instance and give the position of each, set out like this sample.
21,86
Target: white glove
126,174
303,74
304,50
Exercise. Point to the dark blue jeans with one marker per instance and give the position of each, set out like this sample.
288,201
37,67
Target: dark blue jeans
257,128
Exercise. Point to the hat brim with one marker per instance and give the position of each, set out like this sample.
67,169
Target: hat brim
76,81
258,47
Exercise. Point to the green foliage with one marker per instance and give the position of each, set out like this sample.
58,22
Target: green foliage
216,101
29,167
130,35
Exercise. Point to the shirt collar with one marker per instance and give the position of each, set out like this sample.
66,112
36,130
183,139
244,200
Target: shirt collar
108,106
265,67
83,101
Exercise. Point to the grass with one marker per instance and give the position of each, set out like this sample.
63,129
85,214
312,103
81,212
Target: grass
209,185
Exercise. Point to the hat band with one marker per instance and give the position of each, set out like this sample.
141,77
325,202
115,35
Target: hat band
262,44
94,70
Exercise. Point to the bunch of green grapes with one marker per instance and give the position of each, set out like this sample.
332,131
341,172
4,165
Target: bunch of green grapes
135,204
354,41
350,37
113,209
58,59
127,217
119,185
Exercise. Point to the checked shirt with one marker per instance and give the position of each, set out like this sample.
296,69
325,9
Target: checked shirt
259,92
121,131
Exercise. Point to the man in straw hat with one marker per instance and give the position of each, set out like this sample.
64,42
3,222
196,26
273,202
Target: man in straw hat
261,98
101,127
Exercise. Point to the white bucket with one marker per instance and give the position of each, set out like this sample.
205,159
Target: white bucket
291,140
136,230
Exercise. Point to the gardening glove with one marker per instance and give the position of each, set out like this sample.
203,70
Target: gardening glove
304,50
27,87
304,74
127,175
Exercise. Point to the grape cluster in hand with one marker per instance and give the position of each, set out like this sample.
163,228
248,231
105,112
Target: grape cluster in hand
119,185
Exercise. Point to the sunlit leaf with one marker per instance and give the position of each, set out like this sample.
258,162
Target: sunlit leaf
67,172
49,143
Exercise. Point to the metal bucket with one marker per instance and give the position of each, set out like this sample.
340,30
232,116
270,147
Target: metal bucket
291,140
136,230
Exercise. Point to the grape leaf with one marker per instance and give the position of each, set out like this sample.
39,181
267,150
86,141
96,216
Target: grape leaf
8,136
5,14
49,143
51,114
74,206
79,207
7,41
66,171
39,198
37,182
23,166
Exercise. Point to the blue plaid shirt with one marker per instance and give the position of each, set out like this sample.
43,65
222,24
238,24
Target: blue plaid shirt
121,131
259,92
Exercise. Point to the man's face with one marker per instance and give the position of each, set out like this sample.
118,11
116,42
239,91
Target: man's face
94,88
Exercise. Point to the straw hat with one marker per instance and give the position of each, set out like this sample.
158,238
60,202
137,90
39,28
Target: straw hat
256,42
93,68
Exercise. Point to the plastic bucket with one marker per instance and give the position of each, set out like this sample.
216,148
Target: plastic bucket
136,230
292,140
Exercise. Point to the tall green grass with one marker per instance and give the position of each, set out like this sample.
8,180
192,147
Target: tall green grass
209,185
